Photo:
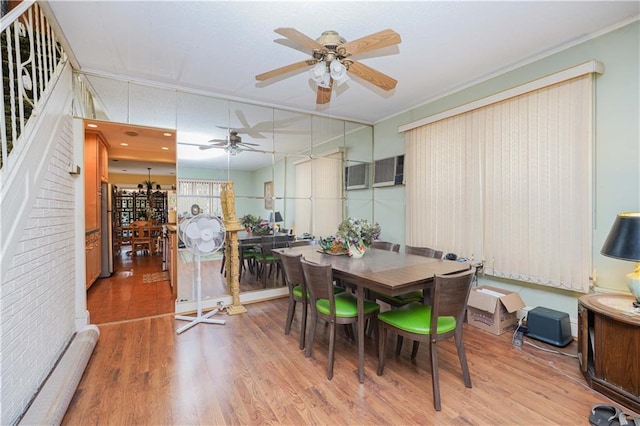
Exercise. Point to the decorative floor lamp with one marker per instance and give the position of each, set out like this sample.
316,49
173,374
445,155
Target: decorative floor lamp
232,226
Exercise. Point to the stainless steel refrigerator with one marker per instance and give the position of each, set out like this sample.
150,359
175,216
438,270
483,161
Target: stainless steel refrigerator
107,216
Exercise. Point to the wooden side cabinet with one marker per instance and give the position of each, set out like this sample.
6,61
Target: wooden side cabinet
609,347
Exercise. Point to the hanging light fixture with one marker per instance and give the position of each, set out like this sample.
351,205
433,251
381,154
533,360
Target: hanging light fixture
338,72
149,183
321,75
232,149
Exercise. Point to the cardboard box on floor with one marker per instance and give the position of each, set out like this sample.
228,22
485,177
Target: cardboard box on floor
493,309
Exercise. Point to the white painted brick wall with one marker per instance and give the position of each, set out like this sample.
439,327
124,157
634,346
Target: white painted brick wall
37,297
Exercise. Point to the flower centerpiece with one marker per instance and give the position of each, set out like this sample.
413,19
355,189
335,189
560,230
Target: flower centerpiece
262,228
357,235
249,221
256,225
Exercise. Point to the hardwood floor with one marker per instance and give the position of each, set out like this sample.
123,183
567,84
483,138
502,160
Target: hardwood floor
125,296
249,372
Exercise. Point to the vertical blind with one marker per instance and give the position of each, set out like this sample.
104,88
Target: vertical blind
509,183
318,195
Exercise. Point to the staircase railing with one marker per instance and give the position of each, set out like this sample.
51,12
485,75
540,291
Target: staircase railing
32,58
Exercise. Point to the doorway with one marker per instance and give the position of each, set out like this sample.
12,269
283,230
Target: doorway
139,171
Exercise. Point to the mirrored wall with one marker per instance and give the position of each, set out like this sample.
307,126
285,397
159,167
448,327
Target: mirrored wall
290,166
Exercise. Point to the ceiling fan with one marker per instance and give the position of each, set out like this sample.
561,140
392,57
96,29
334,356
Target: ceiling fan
331,59
233,145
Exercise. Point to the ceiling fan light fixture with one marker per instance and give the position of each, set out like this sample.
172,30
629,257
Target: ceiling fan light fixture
338,72
321,75
232,150
331,59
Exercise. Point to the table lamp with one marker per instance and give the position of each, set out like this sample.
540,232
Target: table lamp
275,218
623,242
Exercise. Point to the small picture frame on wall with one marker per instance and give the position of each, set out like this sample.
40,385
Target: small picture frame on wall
268,195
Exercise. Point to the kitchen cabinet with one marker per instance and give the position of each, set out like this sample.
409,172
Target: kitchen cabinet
103,160
95,172
93,254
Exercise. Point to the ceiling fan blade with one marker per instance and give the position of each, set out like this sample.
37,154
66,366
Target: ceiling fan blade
381,80
247,143
324,95
284,70
373,41
296,36
253,131
243,120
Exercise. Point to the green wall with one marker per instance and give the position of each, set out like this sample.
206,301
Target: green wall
616,175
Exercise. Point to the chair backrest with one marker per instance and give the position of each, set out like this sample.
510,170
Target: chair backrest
449,296
423,251
302,243
275,241
141,229
293,275
385,245
318,279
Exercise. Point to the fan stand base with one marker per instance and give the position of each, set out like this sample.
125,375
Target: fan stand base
197,320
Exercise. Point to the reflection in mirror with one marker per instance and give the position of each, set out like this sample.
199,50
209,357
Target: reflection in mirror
303,156
358,171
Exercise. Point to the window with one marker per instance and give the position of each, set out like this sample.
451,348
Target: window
204,194
509,183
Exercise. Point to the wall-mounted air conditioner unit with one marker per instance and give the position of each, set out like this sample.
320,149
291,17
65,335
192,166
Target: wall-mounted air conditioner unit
388,171
356,176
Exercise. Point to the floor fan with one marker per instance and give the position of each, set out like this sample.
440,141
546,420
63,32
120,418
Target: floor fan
202,234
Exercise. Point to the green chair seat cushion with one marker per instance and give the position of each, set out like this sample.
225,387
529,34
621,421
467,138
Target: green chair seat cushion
346,305
405,299
416,318
265,258
297,291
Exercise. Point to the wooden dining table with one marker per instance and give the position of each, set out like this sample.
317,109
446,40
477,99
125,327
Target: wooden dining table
381,271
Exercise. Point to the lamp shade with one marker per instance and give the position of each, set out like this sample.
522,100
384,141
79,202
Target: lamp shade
623,241
338,72
275,218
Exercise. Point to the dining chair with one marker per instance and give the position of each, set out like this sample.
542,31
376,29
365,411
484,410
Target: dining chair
246,253
423,251
414,296
440,321
300,243
294,278
386,245
141,238
340,308
265,257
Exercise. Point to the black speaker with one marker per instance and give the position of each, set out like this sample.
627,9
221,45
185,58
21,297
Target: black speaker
549,326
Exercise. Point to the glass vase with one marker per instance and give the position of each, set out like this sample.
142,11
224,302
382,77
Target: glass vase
357,250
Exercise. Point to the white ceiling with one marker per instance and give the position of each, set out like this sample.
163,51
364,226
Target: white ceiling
218,47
